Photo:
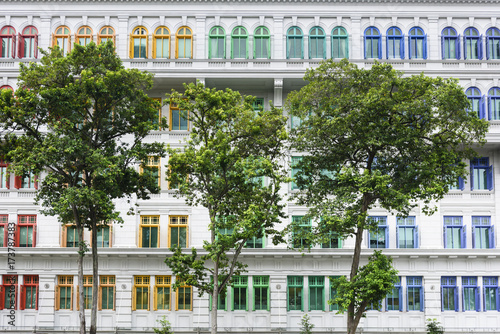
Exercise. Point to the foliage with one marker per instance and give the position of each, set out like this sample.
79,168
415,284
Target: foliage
230,150
80,121
373,137
164,328
305,325
434,327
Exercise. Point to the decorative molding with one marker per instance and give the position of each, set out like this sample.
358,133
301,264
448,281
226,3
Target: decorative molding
316,20
471,21
162,20
63,19
84,19
294,20
449,19
239,19
139,20
7,20
184,20
106,20
372,21
416,21
261,20
339,20
217,20
394,20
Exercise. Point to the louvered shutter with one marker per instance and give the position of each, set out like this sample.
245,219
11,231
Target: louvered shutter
489,108
487,47
18,182
415,237
409,46
14,46
473,237
480,46
99,298
2,290
424,46
397,236
402,46
491,236
463,237
457,47
478,305
36,47
364,42
456,298
20,46
57,301
489,177
22,305
444,237
34,235
442,48
131,47
482,111
400,299
465,47
379,43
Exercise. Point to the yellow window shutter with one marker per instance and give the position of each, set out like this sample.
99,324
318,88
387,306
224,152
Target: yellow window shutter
63,236
69,43
140,236
71,298
149,297
110,235
154,48
131,51
77,298
99,299
155,308
56,306
53,40
133,299
176,47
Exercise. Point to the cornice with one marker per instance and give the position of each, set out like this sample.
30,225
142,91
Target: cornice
357,2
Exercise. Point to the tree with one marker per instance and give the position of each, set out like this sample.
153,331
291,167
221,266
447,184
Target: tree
376,138
81,119
230,149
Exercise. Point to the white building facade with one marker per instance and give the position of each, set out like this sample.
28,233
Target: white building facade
449,263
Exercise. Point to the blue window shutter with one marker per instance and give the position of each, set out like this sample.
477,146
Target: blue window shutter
491,236
482,113
456,299
364,42
461,183
463,237
415,237
471,176
287,47
368,239
409,46
489,178
442,47
487,47
457,47
463,300
402,45
465,47
489,108
444,236
442,299
498,299
478,306
387,237
387,47
480,46
421,292
425,46
379,42
397,236
400,299
473,237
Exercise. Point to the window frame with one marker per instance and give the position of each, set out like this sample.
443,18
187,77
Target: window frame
30,222
483,164
182,34
153,163
165,40
413,40
298,40
4,224
22,42
397,41
179,225
470,282
64,235
8,32
319,40
340,38
261,282
372,38
163,282
9,281
106,282
149,221
141,34
62,33
141,282
240,283
454,222
449,282
414,282
390,299
450,44
295,160
216,34
64,281
87,286
261,38
86,35
316,283
494,103
184,288
4,173
29,282
241,39
172,109
483,222
491,282
493,43
106,35
473,40
384,226
295,282
301,223
476,99
403,223
101,228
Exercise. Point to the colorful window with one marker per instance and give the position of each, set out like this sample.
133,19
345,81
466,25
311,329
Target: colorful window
139,43
295,170
4,175
490,294
483,233
414,293
149,232
184,298
470,294
29,292
8,292
217,43
262,43
28,43
316,293
481,174
476,101
162,293
62,39
87,293
450,44
394,299
261,293
64,293
454,232
294,43
378,237
395,43
179,119
473,44
8,42
161,43
178,231
26,231
494,104
104,236
301,228
332,241
69,236
239,43
449,294
317,43
373,43
340,43
152,165
84,36
140,293
493,43
295,290
4,229
417,43
406,232
27,181
239,296
184,44
107,288
106,33
255,242
333,293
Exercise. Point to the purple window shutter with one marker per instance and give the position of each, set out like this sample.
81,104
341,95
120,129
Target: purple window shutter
489,178
478,305
463,237
465,47
480,46
442,298
457,47
386,236
456,298
442,47
482,113
397,236
421,293
415,237
444,236
487,47
402,46
497,295
491,236
473,237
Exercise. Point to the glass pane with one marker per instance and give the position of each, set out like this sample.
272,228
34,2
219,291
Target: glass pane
490,301
174,236
469,299
240,298
142,298
414,299
2,231
406,235
154,237
316,298
163,298
480,177
481,236
23,236
393,300
260,298
453,237
449,299
295,298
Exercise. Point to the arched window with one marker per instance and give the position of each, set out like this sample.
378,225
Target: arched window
217,43
184,45
294,43
317,43
161,43
493,43
7,42
139,43
494,103
473,44
6,87
395,43
62,39
340,43
84,36
373,48
476,101
28,43
106,33
262,43
239,40
417,43
450,44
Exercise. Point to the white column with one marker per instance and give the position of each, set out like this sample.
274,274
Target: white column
277,44
122,37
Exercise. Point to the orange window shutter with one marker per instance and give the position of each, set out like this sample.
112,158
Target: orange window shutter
154,48
63,235
133,299
36,301
53,40
71,299
69,43
36,181
18,182
7,180
23,298
2,297
34,235
155,308
56,306
77,298
99,299
131,50
111,236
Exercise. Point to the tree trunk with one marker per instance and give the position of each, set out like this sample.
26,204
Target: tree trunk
352,319
215,299
81,254
95,280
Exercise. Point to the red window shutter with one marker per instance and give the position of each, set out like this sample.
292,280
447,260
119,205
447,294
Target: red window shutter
18,182
36,46
36,301
2,290
20,46
18,233
14,46
36,181
7,181
23,298
34,235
